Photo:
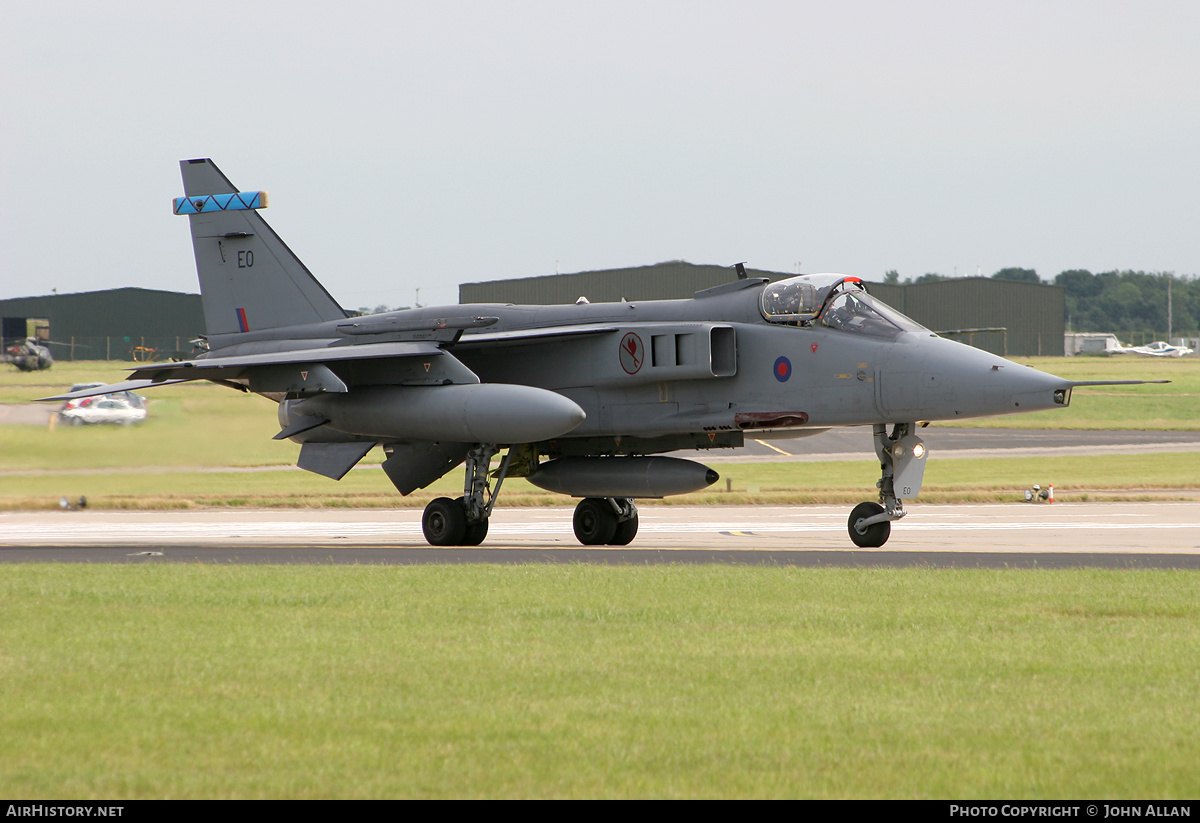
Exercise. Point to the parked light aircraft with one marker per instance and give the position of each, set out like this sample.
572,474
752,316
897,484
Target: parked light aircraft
1156,349
582,399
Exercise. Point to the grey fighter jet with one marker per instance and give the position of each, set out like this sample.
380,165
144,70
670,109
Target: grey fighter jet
582,399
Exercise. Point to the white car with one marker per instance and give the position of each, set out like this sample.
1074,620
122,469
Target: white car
103,409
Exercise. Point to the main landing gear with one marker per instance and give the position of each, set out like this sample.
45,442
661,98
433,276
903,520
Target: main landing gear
599,521
464,521
606,521
902,464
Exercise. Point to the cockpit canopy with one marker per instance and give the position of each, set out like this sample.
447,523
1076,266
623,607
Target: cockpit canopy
799,299
834,301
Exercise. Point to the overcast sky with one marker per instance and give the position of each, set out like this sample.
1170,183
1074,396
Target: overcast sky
424,144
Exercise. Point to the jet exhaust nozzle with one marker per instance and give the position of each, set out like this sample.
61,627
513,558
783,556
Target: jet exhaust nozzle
622,476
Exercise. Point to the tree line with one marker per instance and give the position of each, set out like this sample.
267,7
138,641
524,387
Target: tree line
1111,301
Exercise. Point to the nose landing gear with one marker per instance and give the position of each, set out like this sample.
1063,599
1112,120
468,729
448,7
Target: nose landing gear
874,534
902,465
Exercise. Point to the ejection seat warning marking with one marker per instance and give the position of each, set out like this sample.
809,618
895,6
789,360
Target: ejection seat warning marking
783,369
632,353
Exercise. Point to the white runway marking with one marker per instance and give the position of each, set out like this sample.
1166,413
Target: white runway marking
1140,527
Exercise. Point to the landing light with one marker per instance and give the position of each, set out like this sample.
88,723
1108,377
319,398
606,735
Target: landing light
919,451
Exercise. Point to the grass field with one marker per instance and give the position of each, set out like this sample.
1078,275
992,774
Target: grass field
198,432
146,681
1079,477
575,681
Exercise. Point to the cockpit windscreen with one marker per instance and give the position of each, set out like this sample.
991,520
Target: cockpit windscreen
833,301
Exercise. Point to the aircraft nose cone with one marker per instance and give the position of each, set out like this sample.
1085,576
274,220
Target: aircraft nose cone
931,378
1032,390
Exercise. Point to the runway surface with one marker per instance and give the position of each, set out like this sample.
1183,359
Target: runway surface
1112,535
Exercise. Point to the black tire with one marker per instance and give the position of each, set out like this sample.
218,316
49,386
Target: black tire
595,522
626,531
475,533
444,522
874,536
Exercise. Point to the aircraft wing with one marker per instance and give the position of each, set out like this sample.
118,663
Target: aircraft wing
112,388
208,368
301,370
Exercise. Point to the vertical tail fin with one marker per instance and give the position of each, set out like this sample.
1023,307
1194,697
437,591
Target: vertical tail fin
249,278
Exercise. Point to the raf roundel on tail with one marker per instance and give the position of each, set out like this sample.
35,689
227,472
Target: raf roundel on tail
582,399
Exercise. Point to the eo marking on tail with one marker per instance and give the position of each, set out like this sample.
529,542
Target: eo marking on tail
249,279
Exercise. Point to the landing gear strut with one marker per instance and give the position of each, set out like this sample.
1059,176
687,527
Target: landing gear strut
464,521
902,465
606,521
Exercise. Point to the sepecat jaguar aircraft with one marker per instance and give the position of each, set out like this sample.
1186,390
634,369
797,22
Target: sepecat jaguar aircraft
585,399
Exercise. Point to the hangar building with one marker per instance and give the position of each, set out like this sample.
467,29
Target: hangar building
1002,316
114,324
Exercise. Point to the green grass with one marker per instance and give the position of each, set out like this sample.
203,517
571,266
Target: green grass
190,424
576,681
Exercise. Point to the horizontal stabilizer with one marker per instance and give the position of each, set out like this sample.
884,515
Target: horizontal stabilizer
238,201
332,459
111,388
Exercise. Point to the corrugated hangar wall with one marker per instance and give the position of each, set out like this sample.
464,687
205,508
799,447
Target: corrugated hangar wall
108,324
662,281
1032,315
